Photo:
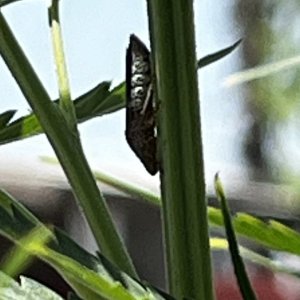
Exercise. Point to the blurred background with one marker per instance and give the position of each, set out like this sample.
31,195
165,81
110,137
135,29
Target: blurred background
250,131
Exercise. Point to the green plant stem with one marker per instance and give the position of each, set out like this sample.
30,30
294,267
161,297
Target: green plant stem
120,185
179,134
128,188
67,147
65,102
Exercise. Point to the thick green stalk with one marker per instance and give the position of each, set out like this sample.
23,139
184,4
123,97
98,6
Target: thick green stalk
67,147
179,134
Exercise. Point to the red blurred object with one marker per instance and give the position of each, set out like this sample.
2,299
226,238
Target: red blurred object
267,286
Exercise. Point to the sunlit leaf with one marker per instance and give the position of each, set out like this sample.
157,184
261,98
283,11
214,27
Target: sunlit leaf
27,289
90,276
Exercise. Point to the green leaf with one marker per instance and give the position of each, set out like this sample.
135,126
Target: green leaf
17,259
90,276
211,58
6,117
96,102
238,264
114,101
271,234
28,289
6,2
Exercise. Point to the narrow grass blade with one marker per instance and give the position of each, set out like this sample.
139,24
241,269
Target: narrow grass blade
262,71
211,58
65,102
238,264
127,188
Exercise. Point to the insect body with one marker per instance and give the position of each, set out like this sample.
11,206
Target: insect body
140,122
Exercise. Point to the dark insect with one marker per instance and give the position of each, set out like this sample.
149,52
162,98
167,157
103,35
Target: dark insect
140,120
